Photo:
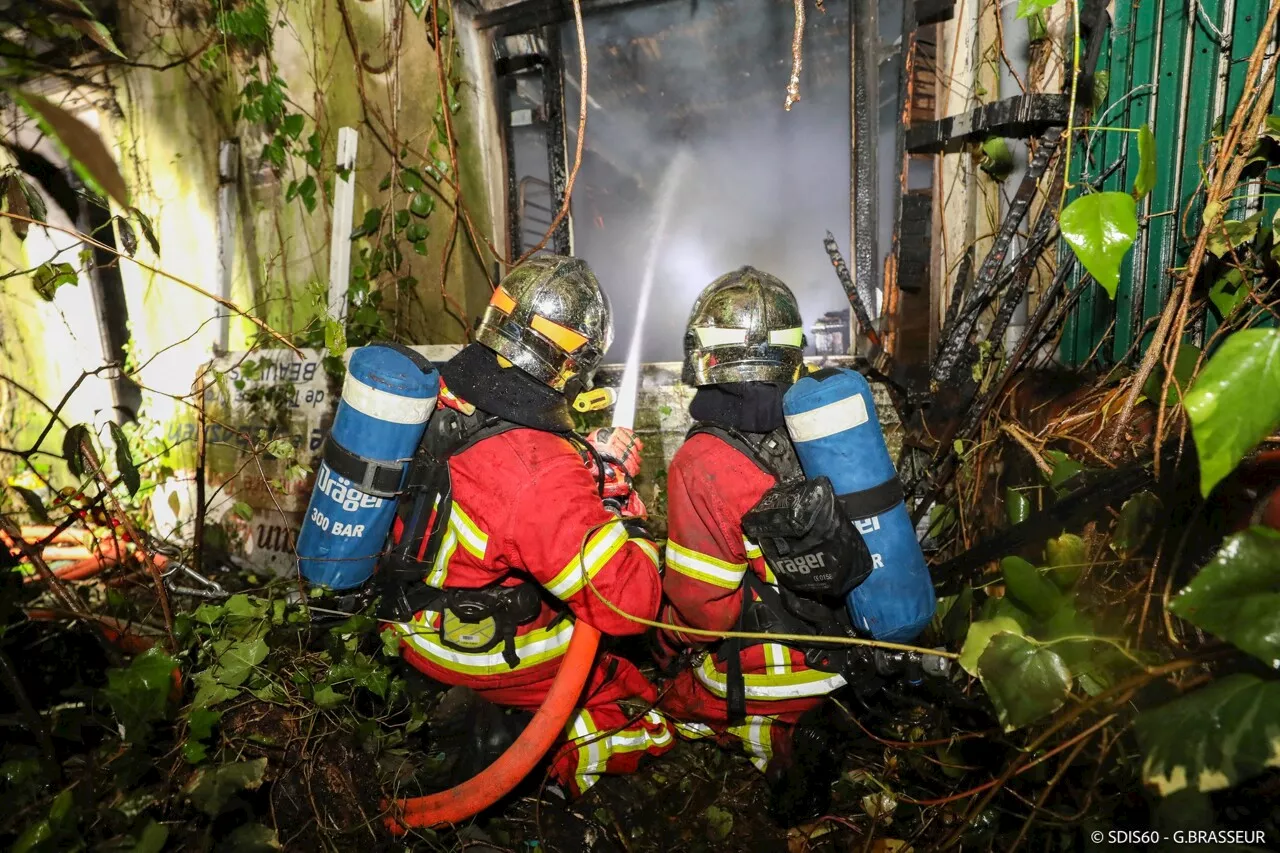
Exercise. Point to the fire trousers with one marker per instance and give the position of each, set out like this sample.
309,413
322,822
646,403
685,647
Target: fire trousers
601,737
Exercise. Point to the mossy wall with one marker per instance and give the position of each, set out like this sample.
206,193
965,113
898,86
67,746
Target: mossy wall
164,116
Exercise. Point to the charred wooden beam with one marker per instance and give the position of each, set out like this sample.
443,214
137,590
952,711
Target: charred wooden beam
864,34
527,15
1018,117
934,11
557,153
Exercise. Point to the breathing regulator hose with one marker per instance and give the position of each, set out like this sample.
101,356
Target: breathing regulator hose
499,778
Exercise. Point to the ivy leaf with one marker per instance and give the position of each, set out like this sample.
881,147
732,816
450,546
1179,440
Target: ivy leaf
281,448
1028,588
416,232
1184,364
83,147
335,337
238,660
242,510
152,838
1100,228
1016,506
1211,738
997,159
34,505
1138,518
211,789
1237,595
979,637
1064,468
1027,8
1233,404
1101,85
1145,181
326,697
128,239
139,694
292,125
148,230
73,449
49,277
1065,555
369,225
124,460
417,6
422,205
412,181
1229,292
98,34
251,838
1231,234
719,822
1024,681
201,722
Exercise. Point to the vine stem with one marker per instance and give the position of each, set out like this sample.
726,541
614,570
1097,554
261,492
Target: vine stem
225,303
1071,108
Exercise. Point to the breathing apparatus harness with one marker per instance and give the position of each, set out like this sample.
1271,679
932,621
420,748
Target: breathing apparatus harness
817,555
472,620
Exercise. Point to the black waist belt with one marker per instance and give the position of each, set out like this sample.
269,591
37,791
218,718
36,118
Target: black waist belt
508,607
371,476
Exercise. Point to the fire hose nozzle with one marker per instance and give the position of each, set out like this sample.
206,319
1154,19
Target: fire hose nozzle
595,400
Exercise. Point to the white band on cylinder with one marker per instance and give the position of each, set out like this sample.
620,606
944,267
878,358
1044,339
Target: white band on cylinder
385,406
829,419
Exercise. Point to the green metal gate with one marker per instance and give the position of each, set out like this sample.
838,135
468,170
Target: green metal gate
1180,66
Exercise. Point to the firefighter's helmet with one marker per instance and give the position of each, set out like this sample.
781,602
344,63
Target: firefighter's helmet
744,327
550,318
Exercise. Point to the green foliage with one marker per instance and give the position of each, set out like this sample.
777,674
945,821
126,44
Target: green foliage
997,159
1066,558
1213,737
211,789
1138,519
1184,366
49,277
1229,291
1064,469
1027,8
1024,680
1145,181
1229,234
82,147
73,452
139,694
124,460
1233,404
980,636
1016,506
1100,228
1033,592
1237,595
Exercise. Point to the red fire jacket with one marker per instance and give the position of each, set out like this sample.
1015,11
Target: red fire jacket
710,486
526,506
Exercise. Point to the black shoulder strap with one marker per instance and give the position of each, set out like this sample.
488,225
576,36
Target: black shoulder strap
772,452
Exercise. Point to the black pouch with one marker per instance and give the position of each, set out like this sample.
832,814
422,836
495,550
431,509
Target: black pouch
808,540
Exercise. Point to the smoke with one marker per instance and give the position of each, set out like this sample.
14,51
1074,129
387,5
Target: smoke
762,185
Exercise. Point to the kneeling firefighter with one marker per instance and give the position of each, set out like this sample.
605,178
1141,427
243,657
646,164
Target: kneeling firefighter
506,514
735,482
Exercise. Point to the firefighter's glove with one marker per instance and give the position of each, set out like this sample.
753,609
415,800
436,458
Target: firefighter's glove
618,446
619,493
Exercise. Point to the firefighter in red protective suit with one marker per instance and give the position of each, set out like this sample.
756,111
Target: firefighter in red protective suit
743,348
503,523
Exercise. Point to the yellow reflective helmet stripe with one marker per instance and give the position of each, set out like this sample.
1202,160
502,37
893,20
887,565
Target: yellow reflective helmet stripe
587,564
704,567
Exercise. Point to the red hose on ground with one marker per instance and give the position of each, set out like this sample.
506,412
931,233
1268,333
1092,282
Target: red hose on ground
477,794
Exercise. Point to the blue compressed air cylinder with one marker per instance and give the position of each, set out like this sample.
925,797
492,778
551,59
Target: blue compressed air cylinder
387,398
833,424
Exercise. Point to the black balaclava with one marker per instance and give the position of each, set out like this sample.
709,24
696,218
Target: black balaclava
508,392
744,406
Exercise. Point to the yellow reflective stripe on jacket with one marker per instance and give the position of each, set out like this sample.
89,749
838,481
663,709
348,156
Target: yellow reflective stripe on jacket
756,734
703,567
777,659
766,687
587,564
538,646
461,531
595,748
753,550
650,550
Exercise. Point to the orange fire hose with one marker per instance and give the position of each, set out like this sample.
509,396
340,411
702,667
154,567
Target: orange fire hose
499,778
